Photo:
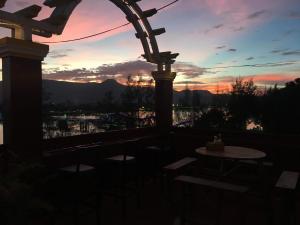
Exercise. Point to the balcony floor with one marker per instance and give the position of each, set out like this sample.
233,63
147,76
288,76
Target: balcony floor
156,210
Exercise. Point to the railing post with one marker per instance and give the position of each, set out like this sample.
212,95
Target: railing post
164,99
22,95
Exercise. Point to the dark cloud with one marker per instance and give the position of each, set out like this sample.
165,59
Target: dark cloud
189,82
126,68
296,52
294,15
58,74
258,65
232,50
238,29
286,52
188,69
221,47
250,58
55,54
119,71
289,32
256,14
276,51
218,26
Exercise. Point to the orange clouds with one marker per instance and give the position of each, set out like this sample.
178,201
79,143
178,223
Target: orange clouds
274,78
215,88
267,79
223,84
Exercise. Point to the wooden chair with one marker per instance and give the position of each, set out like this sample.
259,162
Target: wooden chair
118,175
71,186
159,154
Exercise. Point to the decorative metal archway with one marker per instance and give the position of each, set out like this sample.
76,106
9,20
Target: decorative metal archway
22,56
22,68
23,26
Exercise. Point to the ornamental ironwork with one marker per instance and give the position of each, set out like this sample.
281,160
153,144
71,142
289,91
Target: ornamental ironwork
23,25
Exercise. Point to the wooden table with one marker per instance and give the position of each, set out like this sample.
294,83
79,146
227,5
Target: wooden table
234,153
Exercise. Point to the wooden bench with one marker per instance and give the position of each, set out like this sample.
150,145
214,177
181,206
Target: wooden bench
255,163
287,184
221,187
218,185
288,180
180,164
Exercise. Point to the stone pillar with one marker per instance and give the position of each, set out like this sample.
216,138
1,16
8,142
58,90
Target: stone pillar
164,99
22,96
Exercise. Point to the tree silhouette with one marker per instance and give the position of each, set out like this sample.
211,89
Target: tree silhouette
108,103
243,103
214,118
280,110
135,98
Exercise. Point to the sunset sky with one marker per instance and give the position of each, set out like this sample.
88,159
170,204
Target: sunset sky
218,40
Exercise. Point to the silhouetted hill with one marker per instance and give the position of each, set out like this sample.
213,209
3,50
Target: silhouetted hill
81,93
91,93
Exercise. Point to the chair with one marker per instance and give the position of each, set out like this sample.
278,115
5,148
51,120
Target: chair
118,175
159,154
68,186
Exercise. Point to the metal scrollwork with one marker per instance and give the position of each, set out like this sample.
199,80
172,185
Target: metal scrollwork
23,25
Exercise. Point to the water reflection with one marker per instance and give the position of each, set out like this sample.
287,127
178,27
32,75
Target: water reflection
69,125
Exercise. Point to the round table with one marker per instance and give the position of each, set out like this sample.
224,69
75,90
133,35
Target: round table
233,152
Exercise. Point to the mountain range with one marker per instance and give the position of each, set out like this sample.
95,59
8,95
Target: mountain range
90,93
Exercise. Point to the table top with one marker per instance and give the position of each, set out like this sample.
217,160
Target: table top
233,152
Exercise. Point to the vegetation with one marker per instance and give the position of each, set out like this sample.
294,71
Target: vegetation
248,107
280,110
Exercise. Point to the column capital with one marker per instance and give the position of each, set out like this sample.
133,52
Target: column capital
22,48
163,75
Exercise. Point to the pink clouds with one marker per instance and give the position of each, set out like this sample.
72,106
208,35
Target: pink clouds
219,7
92,17
89,17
